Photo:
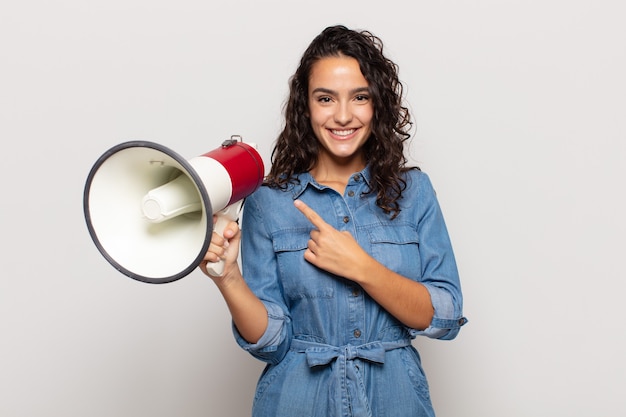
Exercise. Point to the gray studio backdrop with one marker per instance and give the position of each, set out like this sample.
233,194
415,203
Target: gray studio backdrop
520,122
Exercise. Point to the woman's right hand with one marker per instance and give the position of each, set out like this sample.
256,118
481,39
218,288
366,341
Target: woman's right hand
223,248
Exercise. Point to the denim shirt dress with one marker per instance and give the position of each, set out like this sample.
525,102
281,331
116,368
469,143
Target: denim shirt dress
330,349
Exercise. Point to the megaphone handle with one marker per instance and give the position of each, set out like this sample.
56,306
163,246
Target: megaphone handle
227,215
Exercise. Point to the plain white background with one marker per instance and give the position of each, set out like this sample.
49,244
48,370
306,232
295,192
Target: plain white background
520,121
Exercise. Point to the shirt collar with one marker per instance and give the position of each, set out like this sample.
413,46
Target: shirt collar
306,179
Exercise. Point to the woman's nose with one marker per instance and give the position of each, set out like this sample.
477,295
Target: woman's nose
343,115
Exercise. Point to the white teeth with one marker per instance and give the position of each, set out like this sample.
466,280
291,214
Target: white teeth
342,132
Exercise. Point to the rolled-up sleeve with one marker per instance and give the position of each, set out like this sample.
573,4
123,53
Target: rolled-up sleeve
268,347
446,322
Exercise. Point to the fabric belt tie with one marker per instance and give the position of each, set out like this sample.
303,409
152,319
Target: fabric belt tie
346,388
320,354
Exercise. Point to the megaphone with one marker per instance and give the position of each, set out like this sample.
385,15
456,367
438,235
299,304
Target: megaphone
150,212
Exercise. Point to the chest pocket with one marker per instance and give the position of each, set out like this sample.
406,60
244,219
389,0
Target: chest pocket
397,247
300,279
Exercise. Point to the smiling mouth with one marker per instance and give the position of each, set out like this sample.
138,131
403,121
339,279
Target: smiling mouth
346,133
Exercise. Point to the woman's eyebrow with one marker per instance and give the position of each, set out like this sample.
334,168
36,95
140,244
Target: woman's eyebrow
333,92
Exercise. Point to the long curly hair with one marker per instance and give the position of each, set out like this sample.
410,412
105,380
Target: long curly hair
296,148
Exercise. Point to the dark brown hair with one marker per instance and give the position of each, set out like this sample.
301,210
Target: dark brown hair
295,150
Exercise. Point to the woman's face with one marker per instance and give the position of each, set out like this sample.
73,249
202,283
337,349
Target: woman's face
340,108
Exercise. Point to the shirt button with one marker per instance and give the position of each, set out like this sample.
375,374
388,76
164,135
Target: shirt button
357,177
355,292
350,193
357,333
346,219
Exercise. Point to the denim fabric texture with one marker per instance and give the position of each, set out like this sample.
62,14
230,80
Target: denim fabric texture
330,349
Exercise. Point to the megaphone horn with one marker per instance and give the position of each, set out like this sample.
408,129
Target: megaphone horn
150,212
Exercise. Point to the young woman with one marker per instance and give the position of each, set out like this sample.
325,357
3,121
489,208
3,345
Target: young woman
345,252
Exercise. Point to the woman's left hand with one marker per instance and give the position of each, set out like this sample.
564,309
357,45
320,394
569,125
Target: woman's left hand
332,250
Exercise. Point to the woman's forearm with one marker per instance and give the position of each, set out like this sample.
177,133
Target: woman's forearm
403,298
248,312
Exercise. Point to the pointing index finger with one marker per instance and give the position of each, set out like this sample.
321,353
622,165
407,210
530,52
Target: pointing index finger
310,214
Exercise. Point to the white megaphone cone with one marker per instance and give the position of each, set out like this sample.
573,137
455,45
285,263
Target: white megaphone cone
150,212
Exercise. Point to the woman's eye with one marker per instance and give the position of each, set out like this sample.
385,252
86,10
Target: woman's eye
324,99
362,97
